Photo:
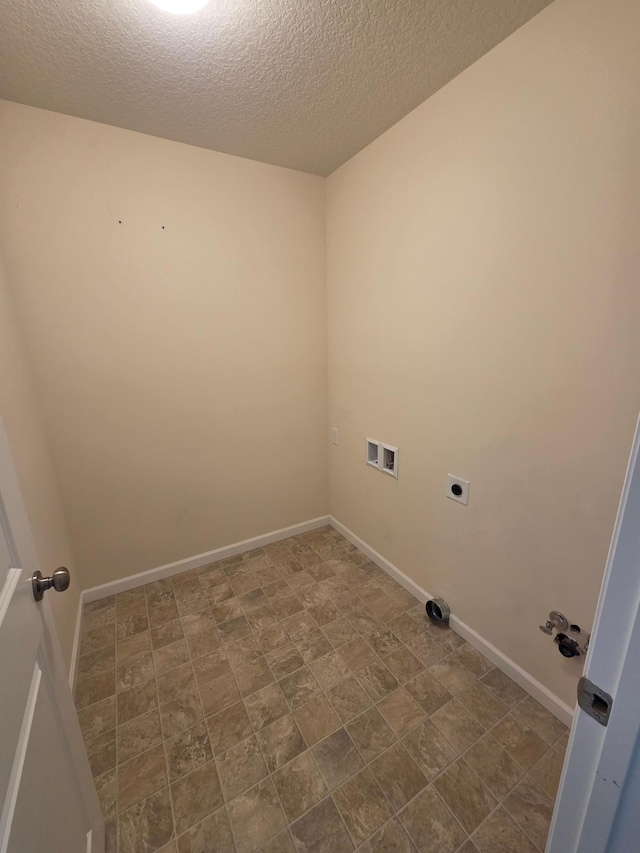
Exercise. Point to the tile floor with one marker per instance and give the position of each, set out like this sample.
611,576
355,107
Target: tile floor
296,698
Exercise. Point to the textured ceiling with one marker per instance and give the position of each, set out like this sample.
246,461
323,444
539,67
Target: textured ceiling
300,83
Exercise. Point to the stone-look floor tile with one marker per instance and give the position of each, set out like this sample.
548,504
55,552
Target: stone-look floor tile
427,650
324,613
96,662
357,654
141,776
377,681
192,603
132,624
164,635
187,751
282,843
494,766
253,676
195,796
170,656
465,795
401,712
95,689
105,603
180,714
138,735
546,773
165,613
299,687
278,589
560,746
242,583
543,723
405,628
228,727
474,661
364,620
430,750
403,664
253,600
234,629
98,718
321,830
241,767
217,592
362,805
329,670
299,786
285,660
337,758
211,666
256,817
243,651
482,704
299,624
503,688
106,789
266,706
272,638
339,632
280,742
468,847
97,638
211,835
453,675
499,834
102,753
532,810
313,646
147,825
267,575
226,610
287,606
348,699
93,620
200,633
398,775
431,825
457,725
174,683
219,694
316,719
134,671
428,692
370,733
138,700
521,742
392,838
383,641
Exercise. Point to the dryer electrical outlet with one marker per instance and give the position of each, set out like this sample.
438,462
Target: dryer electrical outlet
457,489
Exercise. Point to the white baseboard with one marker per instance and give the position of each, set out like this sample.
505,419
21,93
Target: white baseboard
532,686
131,581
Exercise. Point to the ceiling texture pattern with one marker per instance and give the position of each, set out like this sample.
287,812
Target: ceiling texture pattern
299,83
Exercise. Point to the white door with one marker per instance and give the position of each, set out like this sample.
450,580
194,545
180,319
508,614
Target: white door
47,796
598,804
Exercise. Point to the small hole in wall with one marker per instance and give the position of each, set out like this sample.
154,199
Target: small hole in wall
119,221
163,227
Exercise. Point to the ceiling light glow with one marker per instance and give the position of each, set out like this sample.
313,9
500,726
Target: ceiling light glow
180,7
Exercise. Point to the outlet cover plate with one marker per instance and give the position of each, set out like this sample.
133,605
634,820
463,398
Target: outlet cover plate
463,497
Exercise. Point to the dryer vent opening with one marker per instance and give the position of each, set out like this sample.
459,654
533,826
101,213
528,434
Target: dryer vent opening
438,610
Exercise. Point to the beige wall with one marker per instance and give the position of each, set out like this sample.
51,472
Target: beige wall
180,356
24,425
484,316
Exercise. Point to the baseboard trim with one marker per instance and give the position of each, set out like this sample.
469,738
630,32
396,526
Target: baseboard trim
131,581
75,650
532,686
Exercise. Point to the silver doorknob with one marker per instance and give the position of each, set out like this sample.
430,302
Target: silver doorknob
59,580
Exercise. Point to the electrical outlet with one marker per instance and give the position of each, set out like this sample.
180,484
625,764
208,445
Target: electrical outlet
334,435
457,489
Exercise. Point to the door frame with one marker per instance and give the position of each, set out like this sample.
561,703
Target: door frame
599,758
